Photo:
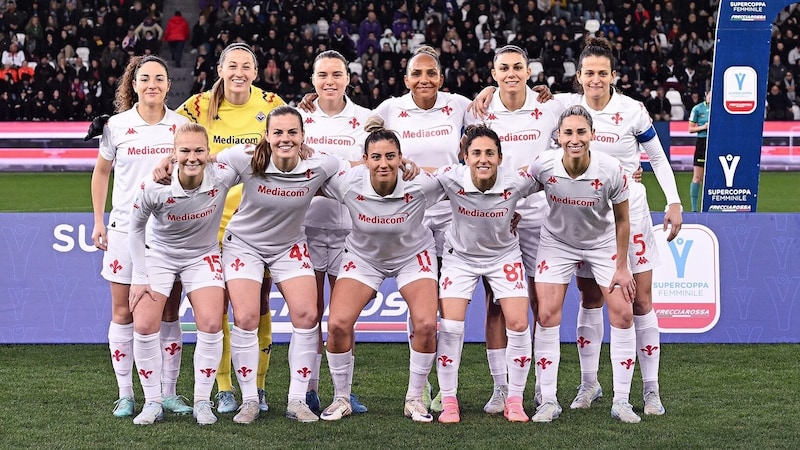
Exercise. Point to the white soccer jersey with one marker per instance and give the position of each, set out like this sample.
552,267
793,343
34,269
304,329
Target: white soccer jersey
481,226
524,134
581,212
185,224
135,147
272,210
342,135
387,231
619,129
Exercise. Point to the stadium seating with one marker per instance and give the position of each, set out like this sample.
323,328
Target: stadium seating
536,67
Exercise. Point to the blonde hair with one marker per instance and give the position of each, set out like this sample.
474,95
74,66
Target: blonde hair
191,127
217,91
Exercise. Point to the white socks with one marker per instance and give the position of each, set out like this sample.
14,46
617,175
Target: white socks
120,344
590,341
623,361
146,351
648,348
172,349
244,354
518,359
419,367
340,365
547,356
302,354
207,355
448,355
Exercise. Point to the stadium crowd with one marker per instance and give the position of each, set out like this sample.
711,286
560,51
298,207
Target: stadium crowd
62,59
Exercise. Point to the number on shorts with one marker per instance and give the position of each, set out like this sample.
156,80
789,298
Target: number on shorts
296,254
424,260
213,263
513,271
639,239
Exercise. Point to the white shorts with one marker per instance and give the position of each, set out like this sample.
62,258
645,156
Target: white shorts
438,221
642,248
460,275
529,245
240,260
195,273
422,266
326,247
117,265
556,262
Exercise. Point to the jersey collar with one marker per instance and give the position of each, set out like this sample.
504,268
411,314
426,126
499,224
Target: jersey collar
177,190
530,101
469,186
369,191
561,172
407,102
348,111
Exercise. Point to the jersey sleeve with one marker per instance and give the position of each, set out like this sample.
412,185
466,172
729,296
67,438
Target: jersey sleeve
107,149
693,115
140,211
193,107
236,158
227,176
432,188
337,185
662,170
618,192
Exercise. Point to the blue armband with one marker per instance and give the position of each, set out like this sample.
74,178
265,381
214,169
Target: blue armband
648,134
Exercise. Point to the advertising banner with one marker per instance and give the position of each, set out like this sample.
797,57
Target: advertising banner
724,280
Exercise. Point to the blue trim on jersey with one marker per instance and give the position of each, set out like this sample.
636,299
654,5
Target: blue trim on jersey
648,135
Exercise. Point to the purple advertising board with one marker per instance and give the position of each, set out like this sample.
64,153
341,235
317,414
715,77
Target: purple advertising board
726,279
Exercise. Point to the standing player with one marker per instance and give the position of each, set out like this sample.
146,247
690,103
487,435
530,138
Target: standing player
234,112
335,127
525,125
479,243
182,241
133,141
698,123
266,232
587,225
388,240
623,128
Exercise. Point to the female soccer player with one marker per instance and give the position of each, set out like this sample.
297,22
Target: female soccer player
526,126
588,225
623,128
133,141
479,244
388,240
336,126
182,241
234,112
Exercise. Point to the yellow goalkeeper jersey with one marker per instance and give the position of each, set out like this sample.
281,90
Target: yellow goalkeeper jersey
234,124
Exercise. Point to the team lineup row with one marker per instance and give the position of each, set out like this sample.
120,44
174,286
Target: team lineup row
353,252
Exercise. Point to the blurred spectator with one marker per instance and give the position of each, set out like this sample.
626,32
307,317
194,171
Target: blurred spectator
777,70
201,83
176,35
659,107
202,34
149,24
112,51
789,86
12,60
779,107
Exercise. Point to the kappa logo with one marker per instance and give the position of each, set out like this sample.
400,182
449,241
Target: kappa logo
729,164
461,192
135,205
426,269
617,118
552,180
403,114
491,117
309,120
221,166
350,265
170,200
141,186
642,260
519,285
130,131
342,172
306,265
360,198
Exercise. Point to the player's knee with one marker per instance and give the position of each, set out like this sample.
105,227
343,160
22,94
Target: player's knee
517,324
